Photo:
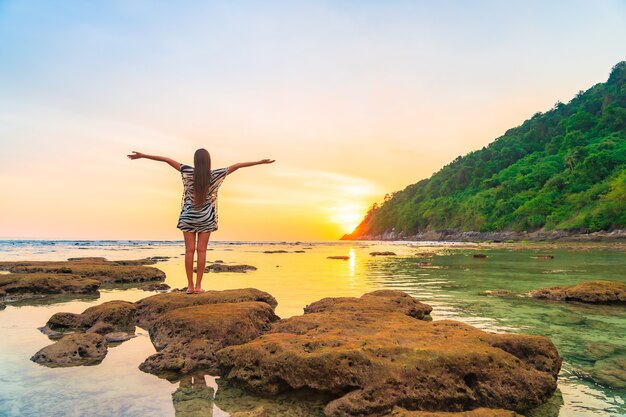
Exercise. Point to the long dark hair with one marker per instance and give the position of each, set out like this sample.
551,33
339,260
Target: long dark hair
201,176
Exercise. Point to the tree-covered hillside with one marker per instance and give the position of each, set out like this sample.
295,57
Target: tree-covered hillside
564,169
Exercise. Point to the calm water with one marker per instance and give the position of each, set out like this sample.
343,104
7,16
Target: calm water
452,285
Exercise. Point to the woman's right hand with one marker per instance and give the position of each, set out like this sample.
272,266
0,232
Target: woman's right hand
136,155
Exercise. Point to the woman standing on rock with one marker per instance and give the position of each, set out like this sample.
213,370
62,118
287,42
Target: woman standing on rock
198,214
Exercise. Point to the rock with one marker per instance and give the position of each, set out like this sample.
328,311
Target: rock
611,372
118,337
135,262
425,254
73,350
480,256
186,339
159,286
2,305
88,259
543,257
20,286
220,267
599,292
151,308
595,351
299,251
372,360
383,253
275,251
340,257
112,316
381,300
478,412
106,272
497,293
256,412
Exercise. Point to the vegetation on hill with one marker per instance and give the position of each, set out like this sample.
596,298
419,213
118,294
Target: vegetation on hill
564,169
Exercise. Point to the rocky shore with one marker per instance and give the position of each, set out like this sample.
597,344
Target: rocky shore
78,276
376,355
453,235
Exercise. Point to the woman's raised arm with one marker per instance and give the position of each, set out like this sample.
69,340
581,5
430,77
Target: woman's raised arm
235,167
139,155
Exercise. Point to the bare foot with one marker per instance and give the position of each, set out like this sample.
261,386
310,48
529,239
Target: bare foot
190,290
198,291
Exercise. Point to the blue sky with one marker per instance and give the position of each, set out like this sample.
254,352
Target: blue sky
369,95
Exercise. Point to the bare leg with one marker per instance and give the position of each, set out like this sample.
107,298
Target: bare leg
203,240
190,249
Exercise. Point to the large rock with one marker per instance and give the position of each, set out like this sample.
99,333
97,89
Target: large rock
598,292
106,272
186,339
381,300
152,308
73,350
371,360
19,286
109,317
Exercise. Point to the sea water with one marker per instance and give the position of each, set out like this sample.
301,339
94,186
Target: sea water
452,281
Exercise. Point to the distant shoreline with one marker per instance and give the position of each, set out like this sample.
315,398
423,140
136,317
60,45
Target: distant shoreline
499,237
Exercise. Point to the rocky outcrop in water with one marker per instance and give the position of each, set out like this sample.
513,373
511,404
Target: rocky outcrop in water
186,339
22,286
152,308
380,301
109,317
221,267
99,269
384,253
373,359
595,292
73,350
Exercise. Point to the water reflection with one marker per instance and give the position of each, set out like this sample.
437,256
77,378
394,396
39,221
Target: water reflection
193,398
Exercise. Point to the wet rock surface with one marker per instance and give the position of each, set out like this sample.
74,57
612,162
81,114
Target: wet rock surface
372,359
383,253
73,350
596,292
339,257
186,339
151,308
161,286
20,286
109,317
381,300
221,267
99,269
611,372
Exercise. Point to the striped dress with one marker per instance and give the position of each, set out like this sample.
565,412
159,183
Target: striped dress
204,219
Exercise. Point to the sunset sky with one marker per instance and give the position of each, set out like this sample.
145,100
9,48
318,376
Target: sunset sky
354,99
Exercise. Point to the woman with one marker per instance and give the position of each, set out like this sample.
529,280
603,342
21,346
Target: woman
198,214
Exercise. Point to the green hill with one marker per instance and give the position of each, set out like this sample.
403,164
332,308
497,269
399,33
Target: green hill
560,170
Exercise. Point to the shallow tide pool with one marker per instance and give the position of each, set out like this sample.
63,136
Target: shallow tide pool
588,337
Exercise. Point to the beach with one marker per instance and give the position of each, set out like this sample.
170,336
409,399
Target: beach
447,276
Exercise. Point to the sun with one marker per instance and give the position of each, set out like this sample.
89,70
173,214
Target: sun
347,219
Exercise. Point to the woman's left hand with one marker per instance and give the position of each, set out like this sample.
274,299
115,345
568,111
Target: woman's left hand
267,161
